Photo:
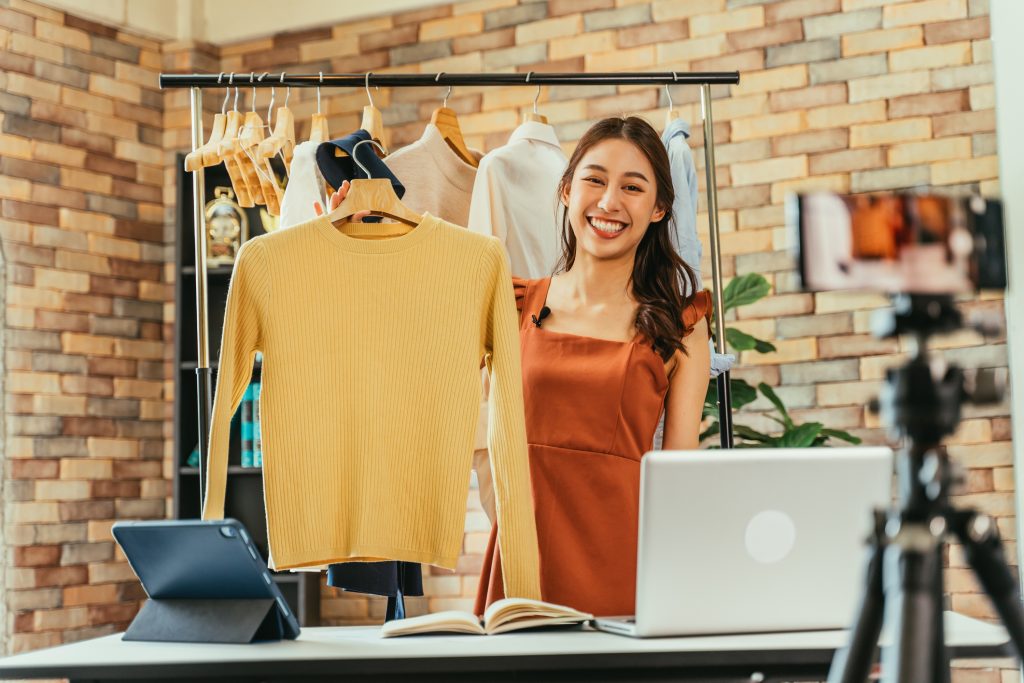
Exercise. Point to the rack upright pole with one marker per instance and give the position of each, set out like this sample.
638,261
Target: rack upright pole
724,395
202,320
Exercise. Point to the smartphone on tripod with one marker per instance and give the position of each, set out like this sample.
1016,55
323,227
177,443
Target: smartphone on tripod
922,250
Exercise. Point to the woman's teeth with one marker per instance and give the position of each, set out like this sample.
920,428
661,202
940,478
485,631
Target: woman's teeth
607,226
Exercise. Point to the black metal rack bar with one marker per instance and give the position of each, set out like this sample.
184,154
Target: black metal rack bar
268,80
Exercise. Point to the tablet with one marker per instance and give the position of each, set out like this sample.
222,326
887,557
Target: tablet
196,559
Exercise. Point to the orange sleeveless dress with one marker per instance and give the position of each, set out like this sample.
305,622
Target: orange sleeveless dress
592,407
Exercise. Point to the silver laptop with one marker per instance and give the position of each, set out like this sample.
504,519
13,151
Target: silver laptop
753,540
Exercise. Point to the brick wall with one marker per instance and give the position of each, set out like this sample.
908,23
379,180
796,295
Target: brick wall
850,95
86,330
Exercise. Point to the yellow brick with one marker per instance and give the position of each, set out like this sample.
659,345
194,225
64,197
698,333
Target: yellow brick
782,78
33,383
588,43
84,221
15,146
723,22
546,29
965,170
19,84
471,61
741,107
502,98
111,87
787,351
930,57
747,242
841,115
62,35
112,448
882,40
47,404
326,49
846,393
683,51
972,431
92,468
15,188
117,248
137,388
87,344
1002,479
889,85
634,59
769,170
57,154
62,280
768,126
561,112
927,151
86,181
27,45
62,490
983,97
664,10
488,122
836,182
449,27
837,302
928,11
873,134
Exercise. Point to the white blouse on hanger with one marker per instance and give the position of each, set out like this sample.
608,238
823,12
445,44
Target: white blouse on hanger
305,187
515,198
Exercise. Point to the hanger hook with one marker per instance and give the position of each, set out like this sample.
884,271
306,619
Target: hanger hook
367,86
227,94
273,95
288,92
231,81
252,81
437,79
535,97
355,157
318,92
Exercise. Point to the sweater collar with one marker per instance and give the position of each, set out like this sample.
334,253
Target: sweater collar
535,130
458,172
388,245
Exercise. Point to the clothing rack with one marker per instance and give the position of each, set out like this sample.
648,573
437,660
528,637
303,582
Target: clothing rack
197,82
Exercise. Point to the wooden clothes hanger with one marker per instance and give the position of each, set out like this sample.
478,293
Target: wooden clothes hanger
376,196
225,153
373,122
534,115
447,121
282,140
318,125
197,158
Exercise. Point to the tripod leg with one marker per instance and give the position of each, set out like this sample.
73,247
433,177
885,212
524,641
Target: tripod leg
908,575
985,554
940,665
853,663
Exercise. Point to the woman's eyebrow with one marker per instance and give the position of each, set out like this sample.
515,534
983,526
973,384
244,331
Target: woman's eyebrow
631,174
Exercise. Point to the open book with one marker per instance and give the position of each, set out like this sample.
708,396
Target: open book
510,614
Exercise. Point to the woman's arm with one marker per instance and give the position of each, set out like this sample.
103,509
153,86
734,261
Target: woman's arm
687,387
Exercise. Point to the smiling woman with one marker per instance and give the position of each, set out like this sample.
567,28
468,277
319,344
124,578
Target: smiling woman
609,342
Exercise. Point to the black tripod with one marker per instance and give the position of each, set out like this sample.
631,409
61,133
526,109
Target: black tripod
904,571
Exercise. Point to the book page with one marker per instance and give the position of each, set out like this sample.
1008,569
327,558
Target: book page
512,614
439,622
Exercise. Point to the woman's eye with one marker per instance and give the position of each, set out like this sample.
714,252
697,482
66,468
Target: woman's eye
591,179
634,188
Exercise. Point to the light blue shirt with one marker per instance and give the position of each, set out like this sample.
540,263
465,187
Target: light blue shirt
684,180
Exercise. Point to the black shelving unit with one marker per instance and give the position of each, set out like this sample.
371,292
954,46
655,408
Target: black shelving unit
244,500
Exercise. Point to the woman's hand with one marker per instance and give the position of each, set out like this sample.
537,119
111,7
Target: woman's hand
336,200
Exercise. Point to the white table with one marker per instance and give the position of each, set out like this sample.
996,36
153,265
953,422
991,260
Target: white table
346,653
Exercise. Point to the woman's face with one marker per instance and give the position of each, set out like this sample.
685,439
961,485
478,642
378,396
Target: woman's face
612,199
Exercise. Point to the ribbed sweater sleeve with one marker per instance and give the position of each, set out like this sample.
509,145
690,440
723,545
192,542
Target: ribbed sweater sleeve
242,337
506,438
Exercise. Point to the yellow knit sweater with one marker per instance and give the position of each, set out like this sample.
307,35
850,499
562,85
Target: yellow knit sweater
371,386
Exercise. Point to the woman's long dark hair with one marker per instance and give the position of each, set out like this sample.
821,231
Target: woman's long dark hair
659,273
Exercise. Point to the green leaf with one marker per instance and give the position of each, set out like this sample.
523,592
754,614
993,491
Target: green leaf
711,431
839,434
741,394
802,436
777,402
749,434
764,347
740,341
745,289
